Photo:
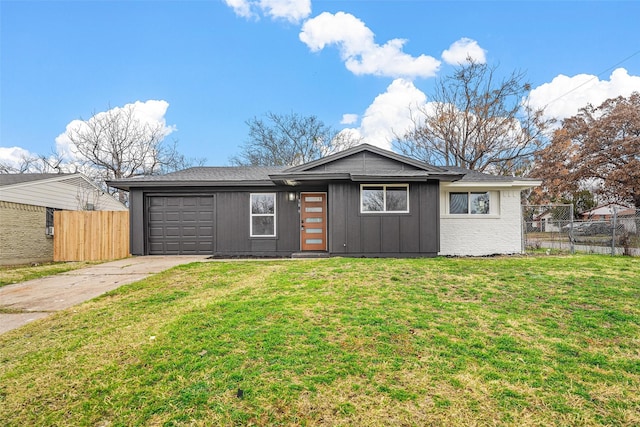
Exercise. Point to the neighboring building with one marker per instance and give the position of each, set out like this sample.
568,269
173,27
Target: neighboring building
27,203
364,201
605,212
626,217
547,222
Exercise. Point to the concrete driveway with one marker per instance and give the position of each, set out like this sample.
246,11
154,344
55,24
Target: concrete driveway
39,298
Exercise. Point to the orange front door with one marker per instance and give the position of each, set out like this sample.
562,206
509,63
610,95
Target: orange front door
313,215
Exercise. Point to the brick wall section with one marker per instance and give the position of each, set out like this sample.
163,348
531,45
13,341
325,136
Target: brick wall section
479,235
22,234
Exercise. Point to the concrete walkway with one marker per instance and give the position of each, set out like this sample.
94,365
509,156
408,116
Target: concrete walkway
39,298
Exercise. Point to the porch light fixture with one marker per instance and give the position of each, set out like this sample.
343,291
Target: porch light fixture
291,196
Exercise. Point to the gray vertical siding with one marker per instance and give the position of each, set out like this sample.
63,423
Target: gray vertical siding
233,236
390,234
231,231
412,234
429,221
363,162
350,233
137,225
232,223
288,225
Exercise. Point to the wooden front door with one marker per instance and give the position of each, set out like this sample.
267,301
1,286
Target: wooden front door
313,217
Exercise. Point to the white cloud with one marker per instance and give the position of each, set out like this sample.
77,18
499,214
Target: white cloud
564,95
149,113
349,119
241,7
460,51
289,10
388,113
13,157
359,50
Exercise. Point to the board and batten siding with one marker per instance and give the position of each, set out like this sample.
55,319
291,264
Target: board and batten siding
231,231
478,235
362,163
352,233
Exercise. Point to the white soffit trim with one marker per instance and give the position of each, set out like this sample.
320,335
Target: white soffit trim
491,184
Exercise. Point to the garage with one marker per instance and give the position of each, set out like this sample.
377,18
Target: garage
180,225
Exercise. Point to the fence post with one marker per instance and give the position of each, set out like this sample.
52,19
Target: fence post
613,231
523,241
572,247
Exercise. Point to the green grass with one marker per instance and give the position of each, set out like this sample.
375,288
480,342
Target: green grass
20,273
372,342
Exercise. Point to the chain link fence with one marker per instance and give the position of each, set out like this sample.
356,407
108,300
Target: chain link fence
553,228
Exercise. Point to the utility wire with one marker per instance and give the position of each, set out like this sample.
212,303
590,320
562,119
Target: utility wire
593,78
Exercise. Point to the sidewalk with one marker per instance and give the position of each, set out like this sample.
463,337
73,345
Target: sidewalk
39,298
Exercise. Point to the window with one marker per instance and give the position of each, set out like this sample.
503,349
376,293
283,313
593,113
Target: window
469,203
263,215
384,198
49,221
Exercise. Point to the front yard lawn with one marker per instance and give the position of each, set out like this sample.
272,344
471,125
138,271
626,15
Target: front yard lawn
517,341
20,273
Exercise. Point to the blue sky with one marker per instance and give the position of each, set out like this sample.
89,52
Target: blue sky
211,65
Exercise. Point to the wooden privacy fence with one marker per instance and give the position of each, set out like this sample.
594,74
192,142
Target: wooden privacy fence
90,235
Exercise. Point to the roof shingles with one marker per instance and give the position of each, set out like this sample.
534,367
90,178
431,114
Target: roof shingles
212,173
19,178
268,175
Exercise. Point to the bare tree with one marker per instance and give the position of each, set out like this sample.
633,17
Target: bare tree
117,144
288,140
23,165
34,163
477,121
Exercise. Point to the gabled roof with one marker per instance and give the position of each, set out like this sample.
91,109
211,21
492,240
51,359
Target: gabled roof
202,176
362,163
30,179
17,178
214,173
609,209
362,148
62,191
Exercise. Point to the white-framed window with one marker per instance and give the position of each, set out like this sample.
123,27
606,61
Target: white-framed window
470,203
263,214
381,198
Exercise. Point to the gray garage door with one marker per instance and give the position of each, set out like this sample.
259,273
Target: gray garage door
181,225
